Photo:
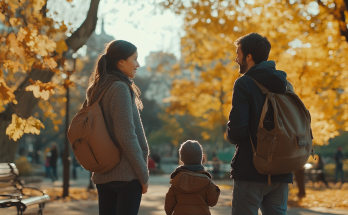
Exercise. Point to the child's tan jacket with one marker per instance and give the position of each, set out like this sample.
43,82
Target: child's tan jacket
191,193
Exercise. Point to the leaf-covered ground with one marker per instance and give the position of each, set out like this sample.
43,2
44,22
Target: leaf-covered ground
319,196
316,195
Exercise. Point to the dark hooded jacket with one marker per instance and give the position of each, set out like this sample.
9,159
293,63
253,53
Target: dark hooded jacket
191,192
247,104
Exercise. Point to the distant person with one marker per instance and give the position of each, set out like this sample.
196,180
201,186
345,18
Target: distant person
120,189
157,160
75,165
339,157
151,164
53,161
320,167
47,163
192,190
216,168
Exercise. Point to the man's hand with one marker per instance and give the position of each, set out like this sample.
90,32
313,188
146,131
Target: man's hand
145,187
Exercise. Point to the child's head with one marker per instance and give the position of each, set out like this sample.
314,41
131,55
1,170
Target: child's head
191,152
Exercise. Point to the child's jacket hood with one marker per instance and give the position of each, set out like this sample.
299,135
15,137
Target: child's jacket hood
190,182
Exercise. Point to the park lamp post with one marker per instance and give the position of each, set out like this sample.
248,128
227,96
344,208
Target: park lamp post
70,65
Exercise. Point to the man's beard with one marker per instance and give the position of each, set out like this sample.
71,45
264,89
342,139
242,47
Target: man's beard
243,68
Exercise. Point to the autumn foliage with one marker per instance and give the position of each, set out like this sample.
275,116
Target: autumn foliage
30,40
309,42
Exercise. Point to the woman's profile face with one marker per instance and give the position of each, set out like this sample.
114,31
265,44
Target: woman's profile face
129,67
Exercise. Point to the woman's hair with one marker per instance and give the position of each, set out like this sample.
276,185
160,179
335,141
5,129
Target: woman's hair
106,71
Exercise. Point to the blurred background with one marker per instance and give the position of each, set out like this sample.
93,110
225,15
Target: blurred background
186,52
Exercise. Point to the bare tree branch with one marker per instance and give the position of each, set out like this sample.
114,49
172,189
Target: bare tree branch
81,35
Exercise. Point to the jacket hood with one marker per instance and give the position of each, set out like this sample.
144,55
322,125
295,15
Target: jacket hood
192,168
190,182
266,74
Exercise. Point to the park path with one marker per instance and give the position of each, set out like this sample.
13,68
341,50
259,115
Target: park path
152,202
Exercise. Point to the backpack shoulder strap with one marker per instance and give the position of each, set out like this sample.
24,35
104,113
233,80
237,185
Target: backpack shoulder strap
289,87
102,94
263,89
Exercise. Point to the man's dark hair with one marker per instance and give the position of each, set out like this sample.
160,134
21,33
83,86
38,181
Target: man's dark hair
256,45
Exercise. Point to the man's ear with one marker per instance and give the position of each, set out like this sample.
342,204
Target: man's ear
249,57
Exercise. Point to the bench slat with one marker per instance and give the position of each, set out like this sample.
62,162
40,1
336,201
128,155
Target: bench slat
7,184
8,200
9,172
36,200
12,192
5,165
7,178
5,171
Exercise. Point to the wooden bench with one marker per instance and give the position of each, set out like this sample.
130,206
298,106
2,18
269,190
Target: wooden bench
12,191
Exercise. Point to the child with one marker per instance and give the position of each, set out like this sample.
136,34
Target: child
192,191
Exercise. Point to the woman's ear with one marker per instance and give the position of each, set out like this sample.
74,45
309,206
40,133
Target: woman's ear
120,64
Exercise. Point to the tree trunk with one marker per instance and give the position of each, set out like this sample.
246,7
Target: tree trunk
66,153
26,100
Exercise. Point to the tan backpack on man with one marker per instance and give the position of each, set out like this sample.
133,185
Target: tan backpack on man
284,136
90,139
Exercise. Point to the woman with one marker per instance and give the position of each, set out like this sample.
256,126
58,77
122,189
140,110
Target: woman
120,189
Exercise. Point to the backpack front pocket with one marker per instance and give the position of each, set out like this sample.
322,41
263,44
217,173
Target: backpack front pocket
84,154
264,143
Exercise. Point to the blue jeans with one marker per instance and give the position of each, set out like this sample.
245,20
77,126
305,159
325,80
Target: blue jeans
119,197
249,196
339,169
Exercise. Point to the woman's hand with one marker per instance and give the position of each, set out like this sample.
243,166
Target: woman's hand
145,187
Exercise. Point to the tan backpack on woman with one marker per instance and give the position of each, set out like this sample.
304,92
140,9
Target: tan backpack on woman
90,140
284,136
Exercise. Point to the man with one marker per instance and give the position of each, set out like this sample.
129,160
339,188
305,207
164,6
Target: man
251,190
339,156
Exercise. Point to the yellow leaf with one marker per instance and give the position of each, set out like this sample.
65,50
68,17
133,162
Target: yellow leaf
15,129
6,93
2,17
1,106
14,66
20,126
41,44
50,63
15,46
33,126
38,4
23,32
42,90
61,47
15,21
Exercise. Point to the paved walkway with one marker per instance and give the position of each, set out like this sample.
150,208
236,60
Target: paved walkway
152,202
